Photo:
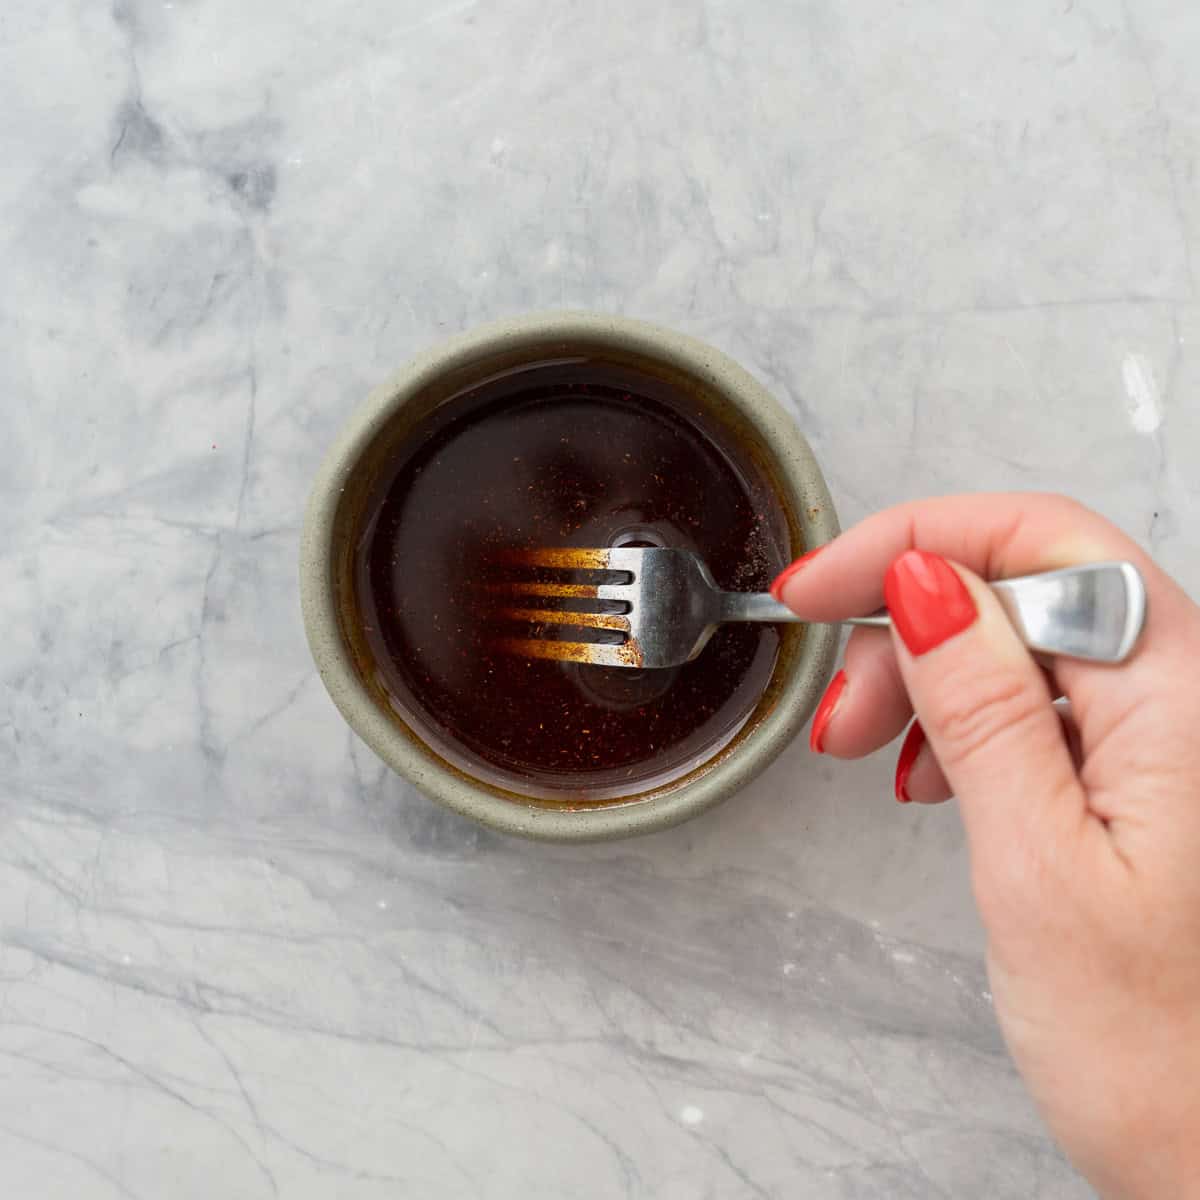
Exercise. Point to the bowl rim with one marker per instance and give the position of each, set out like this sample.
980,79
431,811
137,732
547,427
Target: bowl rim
799,474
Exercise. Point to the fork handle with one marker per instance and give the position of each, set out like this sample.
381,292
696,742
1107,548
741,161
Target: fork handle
1094,612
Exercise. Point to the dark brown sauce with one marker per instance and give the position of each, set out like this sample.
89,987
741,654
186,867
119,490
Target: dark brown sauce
567,453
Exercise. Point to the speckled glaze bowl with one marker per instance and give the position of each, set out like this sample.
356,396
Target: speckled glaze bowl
806,654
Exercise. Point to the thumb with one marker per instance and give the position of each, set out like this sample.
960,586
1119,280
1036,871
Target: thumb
984,705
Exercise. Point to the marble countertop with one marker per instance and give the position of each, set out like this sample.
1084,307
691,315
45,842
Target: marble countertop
240,958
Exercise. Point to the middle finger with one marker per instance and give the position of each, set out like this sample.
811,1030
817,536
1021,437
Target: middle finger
869,704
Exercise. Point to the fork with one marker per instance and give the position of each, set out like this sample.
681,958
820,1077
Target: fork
665,605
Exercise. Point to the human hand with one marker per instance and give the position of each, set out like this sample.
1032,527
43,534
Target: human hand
1083,827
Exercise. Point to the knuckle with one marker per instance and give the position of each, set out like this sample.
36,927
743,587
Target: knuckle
1014,880
1009,874
1060,504
975,709
1066,504
1000,885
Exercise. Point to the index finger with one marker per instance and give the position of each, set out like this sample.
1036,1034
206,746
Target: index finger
996,535
1002,535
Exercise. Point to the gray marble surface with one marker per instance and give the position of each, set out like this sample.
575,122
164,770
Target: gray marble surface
237,957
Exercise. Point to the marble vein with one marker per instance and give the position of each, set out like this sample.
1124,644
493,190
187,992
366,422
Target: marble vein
234,949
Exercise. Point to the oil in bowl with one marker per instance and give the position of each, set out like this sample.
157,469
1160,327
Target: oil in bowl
573,451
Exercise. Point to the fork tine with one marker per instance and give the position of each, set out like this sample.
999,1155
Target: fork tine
525,587
564,557
557,616
577,591
627,655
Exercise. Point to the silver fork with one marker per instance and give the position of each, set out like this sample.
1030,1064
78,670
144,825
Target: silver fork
667,606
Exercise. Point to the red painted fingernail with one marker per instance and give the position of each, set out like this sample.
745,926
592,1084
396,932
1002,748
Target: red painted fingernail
908,755
833,693
927,600
788,572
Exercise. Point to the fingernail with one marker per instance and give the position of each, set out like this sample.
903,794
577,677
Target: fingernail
788,572
913,742
927,600
825,711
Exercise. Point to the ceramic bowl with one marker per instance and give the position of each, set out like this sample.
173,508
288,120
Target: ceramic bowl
806,654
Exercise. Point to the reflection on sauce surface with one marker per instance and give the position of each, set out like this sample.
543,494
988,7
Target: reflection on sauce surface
580,453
